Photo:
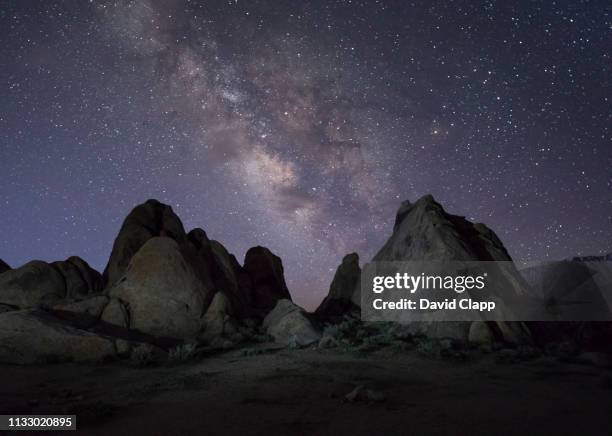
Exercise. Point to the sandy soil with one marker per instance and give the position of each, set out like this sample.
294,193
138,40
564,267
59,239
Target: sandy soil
302,392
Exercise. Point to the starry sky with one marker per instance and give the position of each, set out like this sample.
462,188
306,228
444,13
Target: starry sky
302,125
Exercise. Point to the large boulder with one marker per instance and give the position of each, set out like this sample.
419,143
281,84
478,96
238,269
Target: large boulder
290,325
40,284
343,295
80,279
116,313
4,266
218,268
85,312
91,277
35,284
34,336
161,291
424,231
267,277
560,285
218,321
144,222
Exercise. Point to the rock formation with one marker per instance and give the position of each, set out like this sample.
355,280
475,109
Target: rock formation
288,324
162,291
34,336
160,285
38,284
267,278
424,231
81,280
560,285
144,222
342,298
35,284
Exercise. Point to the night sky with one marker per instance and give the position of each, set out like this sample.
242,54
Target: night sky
301,126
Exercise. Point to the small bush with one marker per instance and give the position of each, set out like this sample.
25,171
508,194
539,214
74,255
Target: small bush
182,353
142,356
247,352
445,348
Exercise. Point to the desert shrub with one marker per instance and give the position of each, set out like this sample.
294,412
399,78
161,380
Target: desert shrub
564,350
262,338
355,337
528,352
182,353
375,342
332,331
444,348
247,352
142,356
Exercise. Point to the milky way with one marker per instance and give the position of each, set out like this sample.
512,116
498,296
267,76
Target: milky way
301,126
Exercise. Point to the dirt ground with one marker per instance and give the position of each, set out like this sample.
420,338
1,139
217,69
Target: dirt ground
281,391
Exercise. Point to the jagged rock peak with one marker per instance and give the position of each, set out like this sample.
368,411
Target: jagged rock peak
147,220
424,230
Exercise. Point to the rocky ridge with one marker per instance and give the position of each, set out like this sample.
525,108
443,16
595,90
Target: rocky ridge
161,286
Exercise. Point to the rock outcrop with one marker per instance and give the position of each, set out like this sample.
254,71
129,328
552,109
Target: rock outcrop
92,307
162,292
424,231
267,278
34,336
343,296
290,325
560,285
218,321
188,270
4,266
38,284
35,284
80,279
144,222
222,271
161,285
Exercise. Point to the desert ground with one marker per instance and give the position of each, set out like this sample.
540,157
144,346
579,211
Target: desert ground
269,389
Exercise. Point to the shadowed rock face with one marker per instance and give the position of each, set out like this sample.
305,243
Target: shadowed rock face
144,222
4,266
346,281
267,277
